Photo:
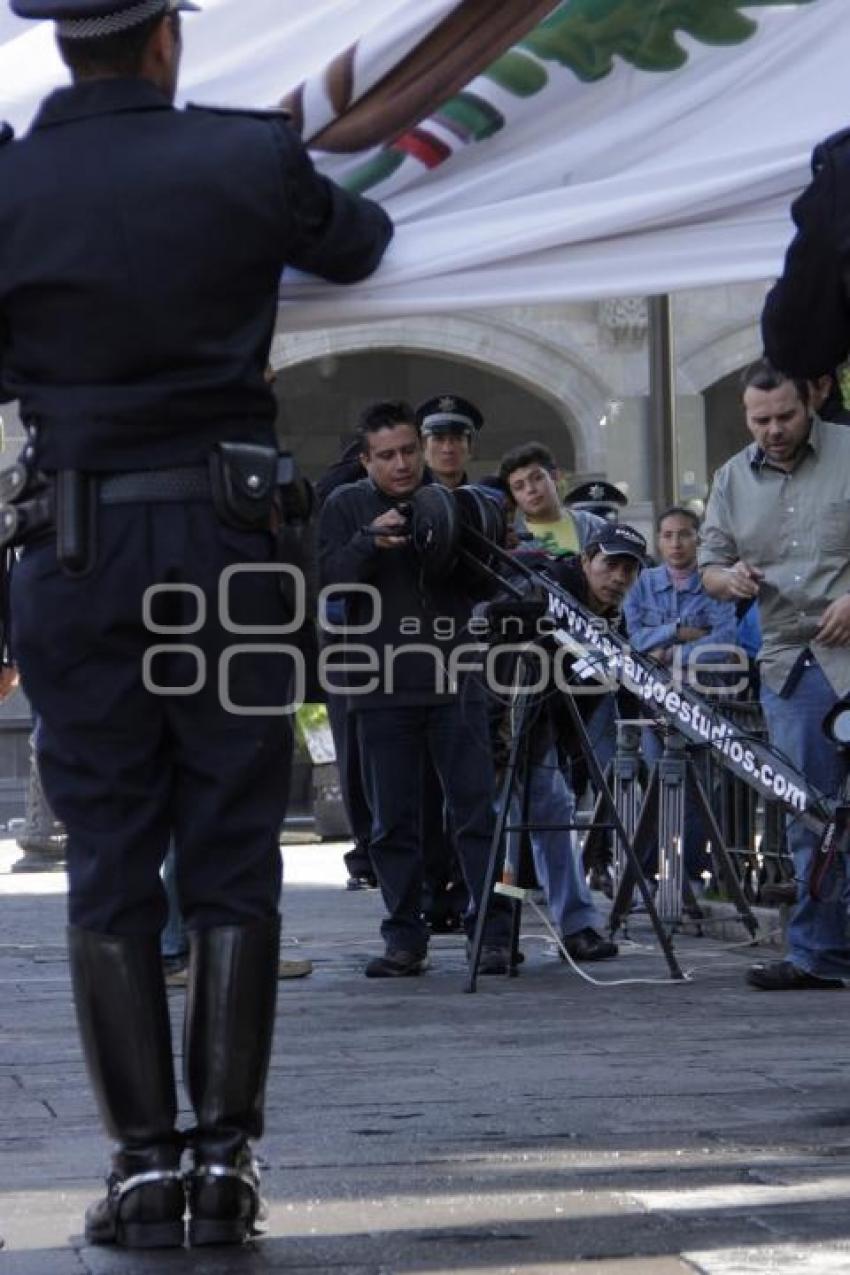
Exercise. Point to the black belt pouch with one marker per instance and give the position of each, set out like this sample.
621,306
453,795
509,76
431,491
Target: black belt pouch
242,480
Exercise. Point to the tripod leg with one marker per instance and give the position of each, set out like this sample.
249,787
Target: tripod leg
647,820
721,856
494,864
634,865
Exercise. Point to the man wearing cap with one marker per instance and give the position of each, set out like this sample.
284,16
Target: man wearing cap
449,426
142,253
599,579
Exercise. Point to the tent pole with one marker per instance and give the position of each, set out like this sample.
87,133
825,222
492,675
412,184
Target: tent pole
662,403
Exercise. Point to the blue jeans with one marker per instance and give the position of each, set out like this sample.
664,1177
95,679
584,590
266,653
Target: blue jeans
818,937
551,801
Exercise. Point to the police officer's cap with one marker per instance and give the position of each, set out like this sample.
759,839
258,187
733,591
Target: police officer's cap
596,494
449,414
94,19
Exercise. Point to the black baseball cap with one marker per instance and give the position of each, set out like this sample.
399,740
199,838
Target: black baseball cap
619,538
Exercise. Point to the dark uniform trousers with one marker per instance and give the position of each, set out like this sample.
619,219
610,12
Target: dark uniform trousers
125,765
455,738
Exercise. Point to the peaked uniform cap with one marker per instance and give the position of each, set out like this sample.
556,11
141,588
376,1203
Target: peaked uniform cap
94,19
596,492
449,414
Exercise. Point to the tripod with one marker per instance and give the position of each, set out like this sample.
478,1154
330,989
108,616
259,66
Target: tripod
515,778
660,820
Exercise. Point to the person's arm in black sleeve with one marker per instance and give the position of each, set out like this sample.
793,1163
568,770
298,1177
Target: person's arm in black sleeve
347,555
335,234
806,317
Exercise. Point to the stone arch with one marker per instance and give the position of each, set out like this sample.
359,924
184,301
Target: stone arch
555,374
727,353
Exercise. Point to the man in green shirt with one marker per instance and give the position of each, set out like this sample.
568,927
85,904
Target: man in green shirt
528,473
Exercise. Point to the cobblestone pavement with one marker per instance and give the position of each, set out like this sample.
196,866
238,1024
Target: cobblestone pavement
542,1125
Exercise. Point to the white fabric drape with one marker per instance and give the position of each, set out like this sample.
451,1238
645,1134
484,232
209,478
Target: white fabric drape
637,183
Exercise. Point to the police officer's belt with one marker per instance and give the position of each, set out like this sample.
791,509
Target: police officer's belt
187,483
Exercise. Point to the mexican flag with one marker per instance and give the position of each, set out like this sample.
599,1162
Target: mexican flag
529,151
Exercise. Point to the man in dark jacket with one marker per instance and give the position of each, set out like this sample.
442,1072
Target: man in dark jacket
142,253
402,628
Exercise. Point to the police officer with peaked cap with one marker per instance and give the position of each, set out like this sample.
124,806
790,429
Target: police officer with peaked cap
806,317
597,497
142,253
449,425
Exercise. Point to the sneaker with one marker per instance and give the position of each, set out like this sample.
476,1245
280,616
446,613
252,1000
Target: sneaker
588,945
396,963
784,976
362,881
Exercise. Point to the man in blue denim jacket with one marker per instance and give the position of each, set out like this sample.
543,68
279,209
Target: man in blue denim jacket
670,617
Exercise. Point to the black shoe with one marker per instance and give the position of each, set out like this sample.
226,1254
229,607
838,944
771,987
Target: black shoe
225,1205
587,945
122,1012
230,1009
362,881
143,1206
396,963
493,959
783,976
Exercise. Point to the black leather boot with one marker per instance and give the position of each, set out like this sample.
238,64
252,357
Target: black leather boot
122,1015
230,1007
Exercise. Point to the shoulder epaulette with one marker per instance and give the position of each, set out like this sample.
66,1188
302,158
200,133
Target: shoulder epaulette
7,133
275,113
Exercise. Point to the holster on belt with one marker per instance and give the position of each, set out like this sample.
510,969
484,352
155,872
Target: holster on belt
243,478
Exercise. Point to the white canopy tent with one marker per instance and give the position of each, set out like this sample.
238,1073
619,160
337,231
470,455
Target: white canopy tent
592,182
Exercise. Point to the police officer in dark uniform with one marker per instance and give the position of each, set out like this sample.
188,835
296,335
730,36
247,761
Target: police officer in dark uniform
449,425
806,317
597,497
142,253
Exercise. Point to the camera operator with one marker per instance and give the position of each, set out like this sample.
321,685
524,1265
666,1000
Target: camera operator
777,528
405,712
599,579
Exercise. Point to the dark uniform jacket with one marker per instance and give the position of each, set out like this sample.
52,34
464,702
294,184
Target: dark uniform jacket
806,319
412,612
140,249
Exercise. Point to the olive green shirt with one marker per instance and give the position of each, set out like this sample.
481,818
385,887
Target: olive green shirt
795,527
